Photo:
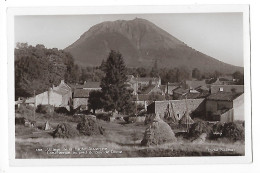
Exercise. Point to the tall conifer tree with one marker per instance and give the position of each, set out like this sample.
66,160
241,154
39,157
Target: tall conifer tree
116,95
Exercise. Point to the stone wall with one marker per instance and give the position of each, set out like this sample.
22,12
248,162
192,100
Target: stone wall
77,102
194,106
212,106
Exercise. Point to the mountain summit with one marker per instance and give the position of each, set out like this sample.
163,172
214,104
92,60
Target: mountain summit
141,43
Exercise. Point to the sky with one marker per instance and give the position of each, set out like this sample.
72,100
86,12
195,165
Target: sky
219,35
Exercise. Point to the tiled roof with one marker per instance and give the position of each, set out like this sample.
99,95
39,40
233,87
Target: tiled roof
174,84
30,100
163,87
148,89
223,96
146,97
91,85
81,93
87,85
195,83
147,79
210,81
194,95
180,91
60,91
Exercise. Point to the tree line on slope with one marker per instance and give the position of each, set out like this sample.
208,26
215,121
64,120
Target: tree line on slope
38,68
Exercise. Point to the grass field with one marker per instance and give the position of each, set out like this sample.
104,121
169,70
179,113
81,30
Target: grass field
119,140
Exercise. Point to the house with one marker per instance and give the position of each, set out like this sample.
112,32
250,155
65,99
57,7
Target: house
137,83
30,101
225,107
81,94
80,98
194,106
88,85
163,88
18,102
179,92
132,83
194,95
152,89
143,81
66,92
227,78
50,97
170,87
59,96
145,100
193,84
226,88
223,81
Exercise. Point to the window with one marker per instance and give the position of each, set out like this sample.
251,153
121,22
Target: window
221,89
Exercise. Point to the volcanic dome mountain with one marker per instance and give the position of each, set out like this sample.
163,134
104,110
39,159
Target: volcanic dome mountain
141,43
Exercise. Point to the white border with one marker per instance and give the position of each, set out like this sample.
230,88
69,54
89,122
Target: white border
129,10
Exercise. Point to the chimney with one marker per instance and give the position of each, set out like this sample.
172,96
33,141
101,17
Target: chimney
62,81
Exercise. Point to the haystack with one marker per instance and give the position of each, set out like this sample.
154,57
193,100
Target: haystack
89,127
186,119
158,132
65,130
47,126
170,115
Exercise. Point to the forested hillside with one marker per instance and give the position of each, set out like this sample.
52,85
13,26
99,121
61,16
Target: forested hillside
38,68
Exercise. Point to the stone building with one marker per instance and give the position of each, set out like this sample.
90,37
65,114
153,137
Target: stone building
81,94
194,106
226,88
193,84
59,96
138,83
225,107
80,98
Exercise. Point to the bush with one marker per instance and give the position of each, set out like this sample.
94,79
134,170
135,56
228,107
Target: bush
25,110
62,110
233,131
89,127
218,128
19,120
103,116
198,128
43,109
65,130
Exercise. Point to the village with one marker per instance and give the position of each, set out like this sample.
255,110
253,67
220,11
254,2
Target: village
174,109
220,100
166,100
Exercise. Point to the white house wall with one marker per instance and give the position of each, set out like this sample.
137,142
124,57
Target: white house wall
51,98
239,108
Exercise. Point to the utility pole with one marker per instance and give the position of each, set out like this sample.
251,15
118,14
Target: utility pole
34,105
136,89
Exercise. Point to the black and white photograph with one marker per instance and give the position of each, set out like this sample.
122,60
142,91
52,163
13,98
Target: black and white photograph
133,85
